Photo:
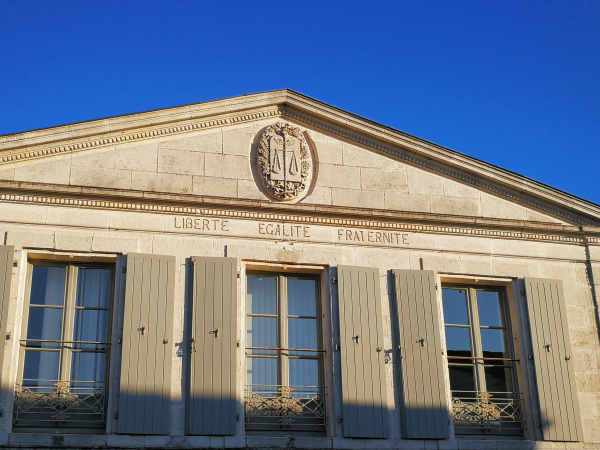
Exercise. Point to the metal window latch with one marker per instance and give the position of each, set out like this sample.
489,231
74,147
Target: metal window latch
142,328
421,341
215,332
547,347
355,338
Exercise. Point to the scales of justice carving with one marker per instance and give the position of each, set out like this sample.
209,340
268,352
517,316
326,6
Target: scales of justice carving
285,161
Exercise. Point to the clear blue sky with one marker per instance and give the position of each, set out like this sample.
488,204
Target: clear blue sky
514,83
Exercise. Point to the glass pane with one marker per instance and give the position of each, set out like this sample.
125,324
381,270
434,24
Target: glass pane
262,295
455,306
44,323
261,331
261,372
304,372
90,325
93,288
492,342
302,297
490,313
47,285
87,367
462,381
497,379
458,341
40,365
303,333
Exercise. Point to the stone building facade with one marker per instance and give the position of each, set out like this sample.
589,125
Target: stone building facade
270,271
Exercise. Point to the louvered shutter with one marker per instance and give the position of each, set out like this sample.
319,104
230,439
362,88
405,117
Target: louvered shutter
552,357
6,266
212,405
425,414
364,396
145,391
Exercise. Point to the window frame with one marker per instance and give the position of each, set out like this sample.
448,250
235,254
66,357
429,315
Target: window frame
64,349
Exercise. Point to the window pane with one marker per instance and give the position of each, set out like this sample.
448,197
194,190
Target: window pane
93,288
490,313
261,371
262,295
462,381
303,333
493,344
304,372
302,297
87,367
90,325
47,285
44,323
455,306
40,365
497,379
458,341
261,331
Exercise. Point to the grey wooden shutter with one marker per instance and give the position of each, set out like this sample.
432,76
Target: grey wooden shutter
212,405
423,386
7,253
364,396
145,392
552,357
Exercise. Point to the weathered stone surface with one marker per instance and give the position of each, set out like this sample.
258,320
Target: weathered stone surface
180,162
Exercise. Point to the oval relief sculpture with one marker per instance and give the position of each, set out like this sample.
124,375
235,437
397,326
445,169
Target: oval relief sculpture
285,161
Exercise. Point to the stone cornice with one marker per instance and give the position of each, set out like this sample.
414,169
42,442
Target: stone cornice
310,112
185,204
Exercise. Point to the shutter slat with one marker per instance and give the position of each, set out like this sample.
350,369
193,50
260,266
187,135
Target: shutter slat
555,374
212,406
423,386
145,391
364,393
7,253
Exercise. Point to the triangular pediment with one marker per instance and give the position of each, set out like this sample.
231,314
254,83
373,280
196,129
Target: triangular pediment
211,152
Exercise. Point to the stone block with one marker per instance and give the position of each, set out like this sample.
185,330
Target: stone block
456,206
30,237
328,149
182,246
439,263
161,182
511,247
565,251
350,444
313,442
215,187
142,157
585,360
180,162
81,217
583,338
536,216
23,213
198,441
266,441
227,166
407,202
7,173
366,157
330,175
319,196
357,198
578,295
103,158
235,441
512,268
560,271
385,258
476,265
73,241
54,170
455,189
237,141
377,179
249,189
205,142
423,182
99,177
499,208
243,249
464,244
114,243
587,382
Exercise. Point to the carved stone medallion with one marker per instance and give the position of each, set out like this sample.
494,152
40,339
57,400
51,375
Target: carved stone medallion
285,161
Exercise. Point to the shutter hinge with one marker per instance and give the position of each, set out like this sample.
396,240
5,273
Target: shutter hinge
333,280
123,269
530,357
237,417
238,275
436,286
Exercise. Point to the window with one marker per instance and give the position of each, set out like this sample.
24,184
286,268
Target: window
284,358
63,354
481,361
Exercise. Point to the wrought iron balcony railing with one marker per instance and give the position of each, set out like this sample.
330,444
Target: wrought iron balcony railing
487,413
60,404
285,408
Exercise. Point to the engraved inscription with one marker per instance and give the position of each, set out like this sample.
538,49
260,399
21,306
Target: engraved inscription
369,236
198,223
283,230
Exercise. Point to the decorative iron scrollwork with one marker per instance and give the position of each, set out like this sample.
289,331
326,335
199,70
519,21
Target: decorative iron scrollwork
484,412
